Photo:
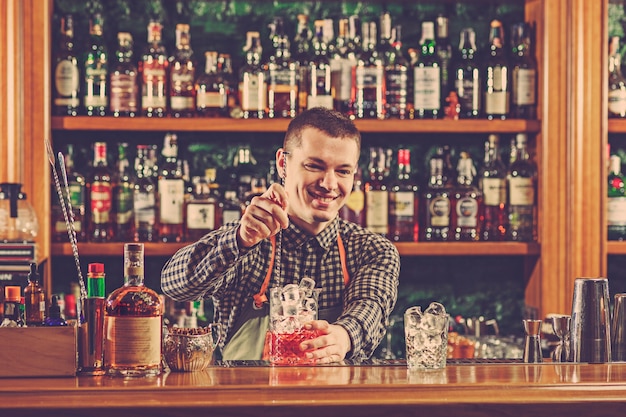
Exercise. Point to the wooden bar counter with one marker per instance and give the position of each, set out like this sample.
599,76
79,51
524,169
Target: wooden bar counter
516,389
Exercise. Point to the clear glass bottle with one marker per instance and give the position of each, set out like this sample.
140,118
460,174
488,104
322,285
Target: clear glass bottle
497,75
617,84
100,196
616,203
133,322
211,89
404,202
34,299
124,100
123,196
153,68
437,205
204,209
95,65
466,202
523,73
368,78
492,183
522,181
144,198
253,80
467,76
66,74
282,81
377,193
171,189
182,75
319,81
427,77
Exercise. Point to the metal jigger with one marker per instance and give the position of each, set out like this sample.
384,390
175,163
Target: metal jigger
561,325
532,342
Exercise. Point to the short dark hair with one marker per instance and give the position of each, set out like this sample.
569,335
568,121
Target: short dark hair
331,122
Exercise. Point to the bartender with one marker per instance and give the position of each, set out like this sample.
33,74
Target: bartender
290,232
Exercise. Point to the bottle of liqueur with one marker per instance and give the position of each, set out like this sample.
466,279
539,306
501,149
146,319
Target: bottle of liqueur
144,198
437,205
427,77
253,80
492,183
343,59
100,197
95,280
182,75
204,209
466,202
34,299
12,304
497,73
404,202
396,69
522,177
319,85
211,89
123,196
171,188
302,55
444,52
153,68
354,208
95,64
524,73
368,78
77,186
466,75
616,205
377,193
124,99
66,74
617,84
133,322
282,71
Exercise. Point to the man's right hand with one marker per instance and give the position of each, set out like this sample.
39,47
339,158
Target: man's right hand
264,217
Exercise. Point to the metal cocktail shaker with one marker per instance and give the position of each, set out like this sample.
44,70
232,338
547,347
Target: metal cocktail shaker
618,329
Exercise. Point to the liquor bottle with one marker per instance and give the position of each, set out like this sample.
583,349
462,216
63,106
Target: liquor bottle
319,81
437,205
66,81
523,74
617,84
182,75
95,280
396,70
144,198
368,78
133,322
522,178
171,189
232,208
54,317
95,65
124,100
444,52
244,168
467,76
404,202
12,303
377,194
123,196
77,187
153,68
211,89
616,205
34,299
225,70
427,77
282,72
492,183
302,55
100,197
497,86
342,60
354,208
466,202
253,80
203,210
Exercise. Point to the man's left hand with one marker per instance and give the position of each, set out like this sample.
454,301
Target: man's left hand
331,346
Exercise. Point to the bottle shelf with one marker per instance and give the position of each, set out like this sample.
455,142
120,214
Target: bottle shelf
617,125
405,248
198,124
615,247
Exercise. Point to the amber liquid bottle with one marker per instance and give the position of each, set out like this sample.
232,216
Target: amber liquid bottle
377,194
34,299
466,202
524,73
437,204
354,208
123,78
171,189
182,75
253,80
404,202
283,72
100,197
204,209
153,69
492,183
133,322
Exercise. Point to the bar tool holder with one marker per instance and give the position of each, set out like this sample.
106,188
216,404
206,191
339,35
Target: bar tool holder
532,342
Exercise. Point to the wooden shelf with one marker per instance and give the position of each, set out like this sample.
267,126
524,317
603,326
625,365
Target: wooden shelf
617,125
615,247
280,125
405,249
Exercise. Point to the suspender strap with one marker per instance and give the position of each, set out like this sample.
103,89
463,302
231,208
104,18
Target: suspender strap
342,256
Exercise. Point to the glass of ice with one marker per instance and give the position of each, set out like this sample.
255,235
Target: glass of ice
426,336
291,307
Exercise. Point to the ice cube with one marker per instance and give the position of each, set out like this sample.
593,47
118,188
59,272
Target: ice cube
436,309
307,283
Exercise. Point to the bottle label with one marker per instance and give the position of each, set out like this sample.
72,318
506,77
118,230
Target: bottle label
145,208
101,197
402,204
427,88
439,209
153,95
524,80
201,216
341,77
376,215
467,212
124,204
617,101
522,191
356,201
211,100
396,85
132,341
181,103
494,191
320,101
469,94
77,196
230,216
497,102
253,90
616,211
123,92
171,194
67,79
283,78
95,86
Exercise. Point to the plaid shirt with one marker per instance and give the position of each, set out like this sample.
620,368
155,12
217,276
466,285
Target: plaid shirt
215,267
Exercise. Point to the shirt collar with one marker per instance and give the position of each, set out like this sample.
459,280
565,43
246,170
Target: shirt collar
294,237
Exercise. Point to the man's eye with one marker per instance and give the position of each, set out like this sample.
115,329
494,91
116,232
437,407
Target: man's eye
344,172
312,167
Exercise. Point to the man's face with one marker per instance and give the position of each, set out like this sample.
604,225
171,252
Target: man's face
319,178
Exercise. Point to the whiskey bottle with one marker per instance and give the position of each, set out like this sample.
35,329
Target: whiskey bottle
497,85
100,197
66,74
212,89
133,322
616,205
232,208
444,52
617,84
319,74
282,81
396,70
467,76
182,75
171,189
253,80
466,202
437,204
427,77
368,78
492,183
144,198
203,210
404,202
124,99
123,196
522,178
377,194
95,65
342,60
34,299
153,68
354,208
524,73
225,70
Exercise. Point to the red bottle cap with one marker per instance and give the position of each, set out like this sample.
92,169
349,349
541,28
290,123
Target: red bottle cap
96,268
12,293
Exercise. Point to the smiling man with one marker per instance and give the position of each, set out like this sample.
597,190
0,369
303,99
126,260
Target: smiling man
356,271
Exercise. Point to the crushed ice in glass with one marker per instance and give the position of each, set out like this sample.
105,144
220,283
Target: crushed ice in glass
426,336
